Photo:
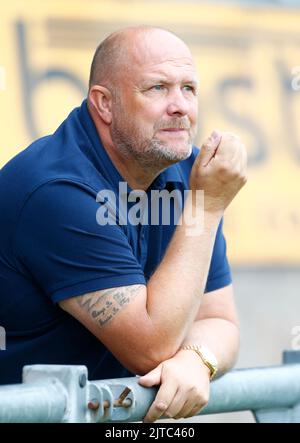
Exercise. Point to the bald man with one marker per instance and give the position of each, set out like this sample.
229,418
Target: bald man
81,287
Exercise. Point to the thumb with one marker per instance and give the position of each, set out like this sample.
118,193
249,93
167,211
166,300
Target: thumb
209,148
152,378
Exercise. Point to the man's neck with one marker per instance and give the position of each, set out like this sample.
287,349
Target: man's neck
134,174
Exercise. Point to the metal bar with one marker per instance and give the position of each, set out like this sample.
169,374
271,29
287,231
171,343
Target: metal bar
239,390
257,388
290,357
41,402
56,397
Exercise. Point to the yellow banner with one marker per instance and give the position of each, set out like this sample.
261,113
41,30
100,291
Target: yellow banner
249,69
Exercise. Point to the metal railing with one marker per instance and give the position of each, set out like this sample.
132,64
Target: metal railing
53,393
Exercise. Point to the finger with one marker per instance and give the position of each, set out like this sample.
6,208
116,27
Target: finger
209,148
191,407
228,146
186,400
195,401
188,405
177,404
162,401
186,408
191,412
152,378
237,162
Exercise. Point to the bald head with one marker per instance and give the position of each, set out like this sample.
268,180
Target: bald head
126,48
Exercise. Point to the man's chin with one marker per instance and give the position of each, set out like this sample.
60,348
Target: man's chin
162,155
179,154
170,157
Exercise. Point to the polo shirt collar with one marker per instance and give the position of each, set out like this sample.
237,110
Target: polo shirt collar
172,174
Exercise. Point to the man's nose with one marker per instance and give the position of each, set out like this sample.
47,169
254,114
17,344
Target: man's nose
178,104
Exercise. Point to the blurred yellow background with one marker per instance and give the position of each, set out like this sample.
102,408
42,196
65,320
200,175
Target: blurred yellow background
248,61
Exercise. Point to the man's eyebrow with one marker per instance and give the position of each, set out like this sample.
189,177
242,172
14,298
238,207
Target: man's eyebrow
191,82
166,80
155,79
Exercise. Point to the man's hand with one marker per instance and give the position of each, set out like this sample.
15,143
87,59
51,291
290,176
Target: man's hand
219,170
184,389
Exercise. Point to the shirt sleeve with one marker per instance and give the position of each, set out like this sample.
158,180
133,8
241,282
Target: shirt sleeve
219,274
65,250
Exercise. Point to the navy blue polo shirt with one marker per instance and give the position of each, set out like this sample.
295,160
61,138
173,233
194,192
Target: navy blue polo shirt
52,247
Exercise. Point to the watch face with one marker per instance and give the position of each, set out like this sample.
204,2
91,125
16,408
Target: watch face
208,358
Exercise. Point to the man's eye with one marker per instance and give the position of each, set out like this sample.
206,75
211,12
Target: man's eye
157,87
189,88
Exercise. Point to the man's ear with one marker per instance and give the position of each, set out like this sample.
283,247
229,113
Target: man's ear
101,99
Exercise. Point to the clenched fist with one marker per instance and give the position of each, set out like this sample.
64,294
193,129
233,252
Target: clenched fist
219,170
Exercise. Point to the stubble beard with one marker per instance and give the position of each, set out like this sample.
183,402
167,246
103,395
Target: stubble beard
149,153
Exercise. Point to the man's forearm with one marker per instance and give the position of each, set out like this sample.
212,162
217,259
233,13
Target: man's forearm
174,291
218,335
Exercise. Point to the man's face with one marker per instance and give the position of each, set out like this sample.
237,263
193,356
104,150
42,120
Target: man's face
155,110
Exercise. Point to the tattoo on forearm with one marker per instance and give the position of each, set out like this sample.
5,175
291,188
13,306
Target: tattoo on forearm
105,306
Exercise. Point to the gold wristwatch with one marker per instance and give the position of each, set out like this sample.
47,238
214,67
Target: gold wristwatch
208,358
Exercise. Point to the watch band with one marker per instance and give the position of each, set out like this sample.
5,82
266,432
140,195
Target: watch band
206,356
